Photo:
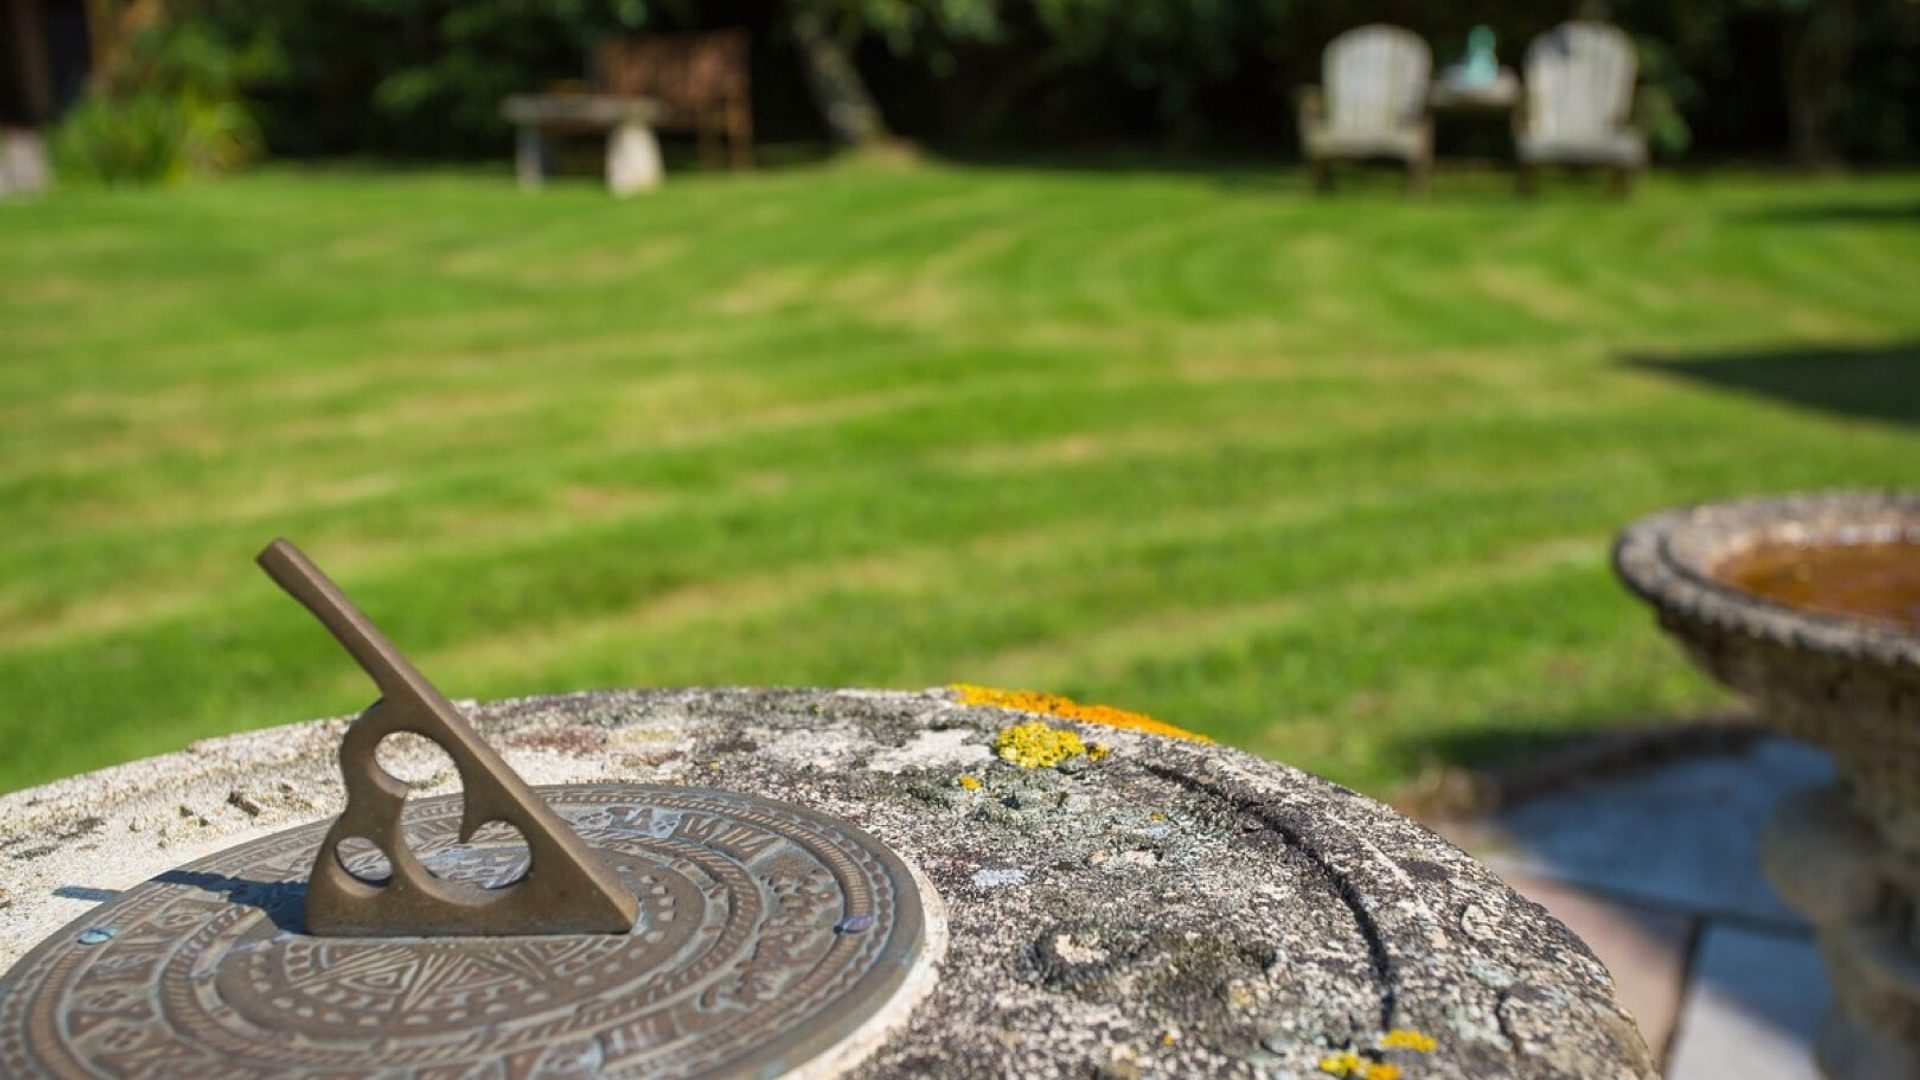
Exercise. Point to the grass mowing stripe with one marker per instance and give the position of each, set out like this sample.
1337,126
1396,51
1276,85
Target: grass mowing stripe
1297,471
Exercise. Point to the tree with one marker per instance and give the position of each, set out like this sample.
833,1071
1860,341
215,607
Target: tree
838,90
1818,42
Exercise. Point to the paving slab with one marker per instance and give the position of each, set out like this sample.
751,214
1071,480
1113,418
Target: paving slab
1681,835
1752,1008
1645,948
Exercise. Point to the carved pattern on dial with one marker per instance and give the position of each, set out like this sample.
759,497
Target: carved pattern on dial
738,962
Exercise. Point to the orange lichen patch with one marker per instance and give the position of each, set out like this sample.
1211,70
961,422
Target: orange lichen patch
1407,1039
1037,745
1066,708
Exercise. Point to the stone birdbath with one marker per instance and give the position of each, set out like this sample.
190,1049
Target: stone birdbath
1809,606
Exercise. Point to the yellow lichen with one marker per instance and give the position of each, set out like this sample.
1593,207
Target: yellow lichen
1098,752
1407,1039
1066,708
971,783
1169,1038
1343,1063
1037,745
1381,1070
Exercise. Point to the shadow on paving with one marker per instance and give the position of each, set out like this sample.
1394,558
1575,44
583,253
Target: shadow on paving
1878,383
1644,841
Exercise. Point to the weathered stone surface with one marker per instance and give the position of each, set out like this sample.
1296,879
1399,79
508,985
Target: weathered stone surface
25,168
1646,948
1173,909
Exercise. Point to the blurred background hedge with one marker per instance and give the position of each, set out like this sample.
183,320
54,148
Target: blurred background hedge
1816,81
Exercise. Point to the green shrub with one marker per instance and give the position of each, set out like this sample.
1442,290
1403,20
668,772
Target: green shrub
171,108
149,137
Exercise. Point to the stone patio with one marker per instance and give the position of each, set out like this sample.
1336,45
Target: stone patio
1657,868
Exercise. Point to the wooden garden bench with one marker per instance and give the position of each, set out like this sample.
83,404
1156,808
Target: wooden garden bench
700,81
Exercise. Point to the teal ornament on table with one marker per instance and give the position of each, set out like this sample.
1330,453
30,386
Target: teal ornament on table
1481,68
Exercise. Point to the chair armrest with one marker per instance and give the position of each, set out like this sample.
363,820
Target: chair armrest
1637,115
1310,104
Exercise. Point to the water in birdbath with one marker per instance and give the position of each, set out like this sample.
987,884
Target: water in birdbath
1875,580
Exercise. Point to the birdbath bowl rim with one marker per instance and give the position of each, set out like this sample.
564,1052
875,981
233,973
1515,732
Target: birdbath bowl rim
1669,559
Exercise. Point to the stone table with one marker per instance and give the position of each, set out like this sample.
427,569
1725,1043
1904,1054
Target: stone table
1155,907
633,153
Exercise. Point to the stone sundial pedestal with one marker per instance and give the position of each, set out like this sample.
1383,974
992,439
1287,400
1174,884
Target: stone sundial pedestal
1810,607
822,883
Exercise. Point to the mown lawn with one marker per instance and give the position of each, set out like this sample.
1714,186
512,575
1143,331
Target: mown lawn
1333,480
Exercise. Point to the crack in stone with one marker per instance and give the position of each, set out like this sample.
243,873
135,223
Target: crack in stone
1378,957
1505,1022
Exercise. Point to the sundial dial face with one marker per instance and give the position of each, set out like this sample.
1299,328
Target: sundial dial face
766,935
627,930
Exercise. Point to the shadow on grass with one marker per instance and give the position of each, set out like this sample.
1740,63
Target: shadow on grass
1836,213
1878,383
1454,180
1482,770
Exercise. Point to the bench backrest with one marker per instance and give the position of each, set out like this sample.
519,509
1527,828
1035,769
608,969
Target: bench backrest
1580,79
690,75
1375,78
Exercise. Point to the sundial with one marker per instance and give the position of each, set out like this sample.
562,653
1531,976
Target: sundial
628,930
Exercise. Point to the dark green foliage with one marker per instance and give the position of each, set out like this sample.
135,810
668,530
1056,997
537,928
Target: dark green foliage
171,107
413,77
425,77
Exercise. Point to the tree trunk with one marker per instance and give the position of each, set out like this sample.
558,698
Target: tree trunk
993,106
851,115
1819,45
111,24
36,75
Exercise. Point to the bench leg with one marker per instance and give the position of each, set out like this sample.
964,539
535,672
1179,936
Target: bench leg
633,159
530,158
1526,180
740,134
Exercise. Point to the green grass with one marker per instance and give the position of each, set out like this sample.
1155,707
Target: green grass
1331,479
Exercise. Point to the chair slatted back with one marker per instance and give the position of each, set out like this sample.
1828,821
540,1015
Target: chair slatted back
1580,78
1375,78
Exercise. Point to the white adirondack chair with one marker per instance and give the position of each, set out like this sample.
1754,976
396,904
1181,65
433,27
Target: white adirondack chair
1373,104
1578,103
